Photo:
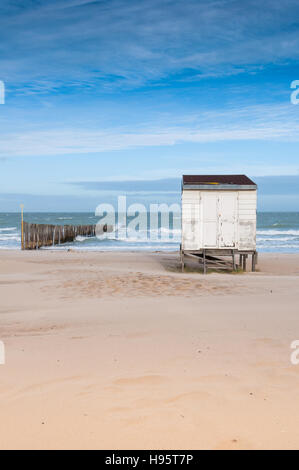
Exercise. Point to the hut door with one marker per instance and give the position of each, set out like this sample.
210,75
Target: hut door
210,219
227,219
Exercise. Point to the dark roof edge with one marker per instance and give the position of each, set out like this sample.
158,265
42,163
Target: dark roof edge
220,187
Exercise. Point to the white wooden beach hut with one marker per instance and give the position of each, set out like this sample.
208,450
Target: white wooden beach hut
219,219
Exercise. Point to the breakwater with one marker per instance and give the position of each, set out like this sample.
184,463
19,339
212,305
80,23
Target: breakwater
36,236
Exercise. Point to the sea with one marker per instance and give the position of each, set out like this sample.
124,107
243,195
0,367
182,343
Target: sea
276,232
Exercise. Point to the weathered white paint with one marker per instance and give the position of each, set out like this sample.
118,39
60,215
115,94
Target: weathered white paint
219,219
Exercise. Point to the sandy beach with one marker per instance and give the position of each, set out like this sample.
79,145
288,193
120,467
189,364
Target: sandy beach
122,351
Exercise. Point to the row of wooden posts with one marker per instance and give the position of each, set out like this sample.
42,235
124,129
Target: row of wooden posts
35,236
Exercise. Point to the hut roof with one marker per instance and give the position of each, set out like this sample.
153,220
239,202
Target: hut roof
218,182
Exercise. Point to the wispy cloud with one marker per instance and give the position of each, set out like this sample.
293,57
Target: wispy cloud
50,43
165,185
276,123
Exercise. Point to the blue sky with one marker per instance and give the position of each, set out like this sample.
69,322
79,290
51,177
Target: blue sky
145,90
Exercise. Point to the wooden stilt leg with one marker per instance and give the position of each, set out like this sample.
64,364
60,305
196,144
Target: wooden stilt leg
234,261
204,262
244,262
253,261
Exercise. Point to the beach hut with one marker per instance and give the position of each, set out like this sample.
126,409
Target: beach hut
219,220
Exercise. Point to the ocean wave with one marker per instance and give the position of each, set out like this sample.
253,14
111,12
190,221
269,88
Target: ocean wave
142,238
172,231
124,233
278,232
281,247
280,225
8,229
81,238
9,237
281,239
131,240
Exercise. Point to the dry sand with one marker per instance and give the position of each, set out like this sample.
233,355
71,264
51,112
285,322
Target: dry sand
119,351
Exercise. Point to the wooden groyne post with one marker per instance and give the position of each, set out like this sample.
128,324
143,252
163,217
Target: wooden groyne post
22,225
36,236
